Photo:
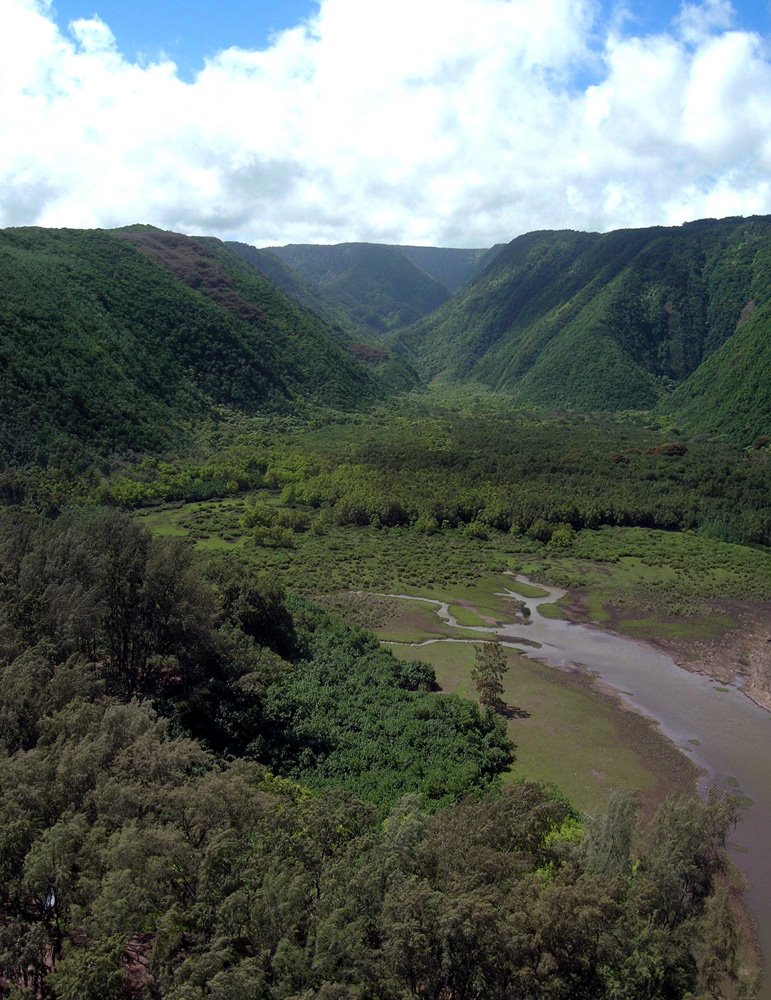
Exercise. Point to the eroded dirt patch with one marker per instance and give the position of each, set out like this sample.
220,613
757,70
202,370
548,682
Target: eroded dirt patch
744,653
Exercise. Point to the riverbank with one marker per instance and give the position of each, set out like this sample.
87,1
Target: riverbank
567,732
736,650
680,722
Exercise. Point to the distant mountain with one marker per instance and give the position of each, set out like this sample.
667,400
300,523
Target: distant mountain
123,341
451,267
377,285
597,321
118,341
357,338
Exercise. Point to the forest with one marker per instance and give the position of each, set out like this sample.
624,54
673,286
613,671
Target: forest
208,789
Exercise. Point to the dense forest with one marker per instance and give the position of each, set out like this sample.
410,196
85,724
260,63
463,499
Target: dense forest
379,286
126,341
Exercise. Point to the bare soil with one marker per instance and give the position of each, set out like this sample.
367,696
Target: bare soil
741,654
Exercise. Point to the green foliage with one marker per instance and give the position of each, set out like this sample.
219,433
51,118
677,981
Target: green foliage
430,467
377,285
730,394
607,846
433,468
134,859
562,537
118,342
489,670
450,266
354,714
94,974
143,842
235,666
605,321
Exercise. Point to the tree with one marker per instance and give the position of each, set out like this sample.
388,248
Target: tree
607,846
488,673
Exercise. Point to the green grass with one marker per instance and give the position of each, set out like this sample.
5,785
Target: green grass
650,584
525,589
655,584
414,623
329,558
484,595
553,611
574,738
700,627
465,616
647,584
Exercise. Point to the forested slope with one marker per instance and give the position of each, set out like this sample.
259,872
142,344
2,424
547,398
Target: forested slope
359,339
120,341
450,266
730,393
598,321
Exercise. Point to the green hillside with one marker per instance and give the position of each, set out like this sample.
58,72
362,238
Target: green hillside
357,338
375,284
119,341
302,290
730,393
598,321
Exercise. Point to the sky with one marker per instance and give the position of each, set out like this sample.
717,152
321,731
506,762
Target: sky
435,122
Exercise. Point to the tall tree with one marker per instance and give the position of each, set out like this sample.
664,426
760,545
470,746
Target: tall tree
489,670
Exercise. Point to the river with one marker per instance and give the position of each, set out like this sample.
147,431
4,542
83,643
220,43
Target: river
723,732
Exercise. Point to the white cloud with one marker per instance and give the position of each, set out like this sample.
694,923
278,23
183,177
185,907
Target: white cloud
697,21
445,121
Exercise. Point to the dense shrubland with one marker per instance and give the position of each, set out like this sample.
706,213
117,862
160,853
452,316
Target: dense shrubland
431,468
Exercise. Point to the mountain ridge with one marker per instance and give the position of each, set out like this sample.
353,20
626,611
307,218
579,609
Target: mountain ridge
597,321
121,340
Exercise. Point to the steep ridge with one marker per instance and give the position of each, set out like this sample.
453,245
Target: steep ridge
357,338
597,321
375,284
730,394
117,341
303,291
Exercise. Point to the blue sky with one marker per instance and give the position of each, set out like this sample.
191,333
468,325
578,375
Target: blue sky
435,122
655,15
190,30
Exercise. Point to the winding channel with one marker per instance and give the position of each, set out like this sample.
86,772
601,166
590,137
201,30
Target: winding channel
722,731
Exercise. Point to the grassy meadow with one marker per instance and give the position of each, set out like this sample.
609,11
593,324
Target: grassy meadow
645,583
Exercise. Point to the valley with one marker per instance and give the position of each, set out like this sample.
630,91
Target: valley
260,509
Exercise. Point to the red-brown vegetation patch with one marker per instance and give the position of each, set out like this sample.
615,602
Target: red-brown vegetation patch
194,264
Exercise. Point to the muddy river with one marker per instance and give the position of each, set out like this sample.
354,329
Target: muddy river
723,732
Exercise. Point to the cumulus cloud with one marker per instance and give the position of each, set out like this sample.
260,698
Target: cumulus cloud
453,122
